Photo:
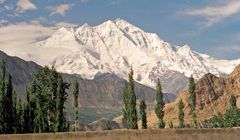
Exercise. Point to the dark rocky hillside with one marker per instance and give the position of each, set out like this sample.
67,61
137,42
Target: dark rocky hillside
104,91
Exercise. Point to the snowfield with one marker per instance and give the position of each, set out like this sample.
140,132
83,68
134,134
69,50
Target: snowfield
112,47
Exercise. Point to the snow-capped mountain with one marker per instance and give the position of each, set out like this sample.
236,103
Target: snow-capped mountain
115,46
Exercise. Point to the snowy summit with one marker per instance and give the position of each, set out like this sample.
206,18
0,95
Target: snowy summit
115,46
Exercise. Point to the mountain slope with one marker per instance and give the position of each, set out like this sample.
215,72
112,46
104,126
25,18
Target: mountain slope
101,95
212,96
114,46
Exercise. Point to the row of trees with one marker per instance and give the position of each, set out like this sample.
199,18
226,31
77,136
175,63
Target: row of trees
130,111
43,109
229,119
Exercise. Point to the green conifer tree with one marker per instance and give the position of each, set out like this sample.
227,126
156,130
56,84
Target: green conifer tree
181,114
192,93
160,105
143,107
75,96
61,98
2,91
125,102
8,108
15,112
29,110
20,117
132,111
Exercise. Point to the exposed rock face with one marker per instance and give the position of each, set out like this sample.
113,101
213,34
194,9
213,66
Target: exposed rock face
212,95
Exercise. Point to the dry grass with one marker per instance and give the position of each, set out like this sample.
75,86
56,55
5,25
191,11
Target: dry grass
154,134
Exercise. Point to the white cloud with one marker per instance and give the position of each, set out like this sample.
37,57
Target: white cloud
19,39
61,9
24,5
25,41
65,24
2,1
23,33
214,15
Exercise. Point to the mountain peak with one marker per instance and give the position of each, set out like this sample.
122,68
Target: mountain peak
108,23
119,21
86,25
115,45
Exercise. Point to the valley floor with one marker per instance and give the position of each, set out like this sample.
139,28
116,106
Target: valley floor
154,134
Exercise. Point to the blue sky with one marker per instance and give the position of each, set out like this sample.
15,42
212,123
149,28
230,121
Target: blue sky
208,26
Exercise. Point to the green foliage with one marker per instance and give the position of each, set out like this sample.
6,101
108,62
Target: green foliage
160,105
45,105
192,93
2,91
181,114
143,107
132,115
43,110
29,110
88,114
61,99
14,99
129,100
231,118
8,108
20,117
75,95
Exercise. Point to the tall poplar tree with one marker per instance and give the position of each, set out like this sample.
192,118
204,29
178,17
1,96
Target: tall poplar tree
125,102
8,108
20,117
2,91
192,93
61,98
29,108
75,96
159,105
132,111
181,114
14,96
143,107
47,92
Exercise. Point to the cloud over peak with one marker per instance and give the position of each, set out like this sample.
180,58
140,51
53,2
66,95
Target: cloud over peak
217,14
24,5
60,9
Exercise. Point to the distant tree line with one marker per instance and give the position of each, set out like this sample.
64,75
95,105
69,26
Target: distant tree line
43,109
